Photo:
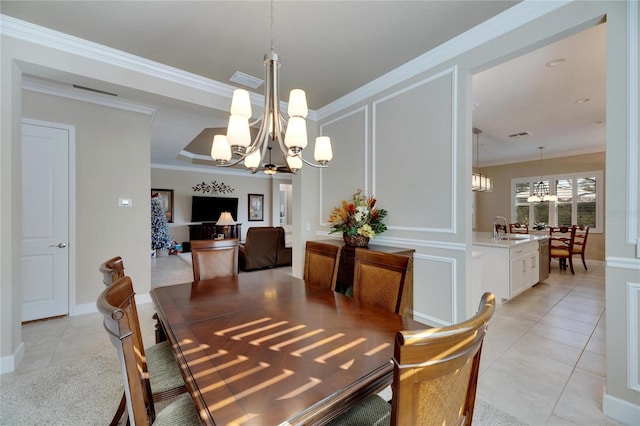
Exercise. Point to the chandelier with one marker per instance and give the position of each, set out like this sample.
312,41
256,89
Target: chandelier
480,182
541,189
236,146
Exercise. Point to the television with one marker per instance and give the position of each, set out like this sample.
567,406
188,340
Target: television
208,209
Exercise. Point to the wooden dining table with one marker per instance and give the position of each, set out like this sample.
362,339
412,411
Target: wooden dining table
264,348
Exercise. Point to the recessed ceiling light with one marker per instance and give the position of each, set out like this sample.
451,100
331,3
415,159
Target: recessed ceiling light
554,62
581,100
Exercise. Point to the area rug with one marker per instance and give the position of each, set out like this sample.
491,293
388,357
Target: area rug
87,392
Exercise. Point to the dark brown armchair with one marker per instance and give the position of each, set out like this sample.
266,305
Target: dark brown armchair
264,247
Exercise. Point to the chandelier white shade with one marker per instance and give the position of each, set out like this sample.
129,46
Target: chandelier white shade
290,135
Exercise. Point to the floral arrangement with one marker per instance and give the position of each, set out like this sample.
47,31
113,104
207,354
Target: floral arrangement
359,217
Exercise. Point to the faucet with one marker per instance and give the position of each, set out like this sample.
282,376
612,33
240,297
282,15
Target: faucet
497,227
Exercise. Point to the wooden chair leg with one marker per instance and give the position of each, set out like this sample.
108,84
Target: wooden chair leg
160,334
571,264
583,262
119,411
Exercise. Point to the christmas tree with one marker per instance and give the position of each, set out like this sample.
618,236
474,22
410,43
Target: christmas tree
160,237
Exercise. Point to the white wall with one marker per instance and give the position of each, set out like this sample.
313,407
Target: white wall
112,162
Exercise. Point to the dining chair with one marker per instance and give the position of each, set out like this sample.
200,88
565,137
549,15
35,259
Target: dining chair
580,242
378,278
112,270
214,258
143,369
435,376
561,240
518,228
321,261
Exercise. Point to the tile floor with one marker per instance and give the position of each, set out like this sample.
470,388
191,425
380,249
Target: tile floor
543,359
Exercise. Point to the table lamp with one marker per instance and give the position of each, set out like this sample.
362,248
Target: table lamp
225,220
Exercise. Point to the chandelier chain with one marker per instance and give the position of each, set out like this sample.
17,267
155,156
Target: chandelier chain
271,24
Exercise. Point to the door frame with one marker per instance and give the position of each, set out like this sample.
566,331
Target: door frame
71,207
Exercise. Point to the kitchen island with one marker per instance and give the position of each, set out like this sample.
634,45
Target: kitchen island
510,264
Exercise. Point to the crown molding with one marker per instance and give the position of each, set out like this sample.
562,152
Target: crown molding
46,37
26,31
512,18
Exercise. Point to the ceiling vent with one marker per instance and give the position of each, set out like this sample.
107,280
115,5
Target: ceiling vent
77,86
519,135
246,80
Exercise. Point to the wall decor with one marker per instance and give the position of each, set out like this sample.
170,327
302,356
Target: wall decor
165,196
256,207
213,187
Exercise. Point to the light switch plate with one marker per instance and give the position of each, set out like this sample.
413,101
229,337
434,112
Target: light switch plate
124,202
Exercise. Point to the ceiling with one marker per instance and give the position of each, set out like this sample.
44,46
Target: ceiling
331,48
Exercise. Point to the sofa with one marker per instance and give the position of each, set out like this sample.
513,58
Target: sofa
264,247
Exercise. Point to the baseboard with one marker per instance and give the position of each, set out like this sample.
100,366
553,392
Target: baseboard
143,298
429,320
9,363
620,410
84,308
91,308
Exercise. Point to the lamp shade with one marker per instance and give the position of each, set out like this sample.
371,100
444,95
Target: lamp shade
323,152
252,161
220,149
241,103
238,133
225,219
297,104
296,135
295,163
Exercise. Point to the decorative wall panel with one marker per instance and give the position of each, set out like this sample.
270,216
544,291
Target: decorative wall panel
437,294
347,172
413,154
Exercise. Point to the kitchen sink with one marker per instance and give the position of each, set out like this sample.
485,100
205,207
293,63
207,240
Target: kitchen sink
513,238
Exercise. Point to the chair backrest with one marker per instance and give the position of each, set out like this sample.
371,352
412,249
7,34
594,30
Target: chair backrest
561,240
112,270
321,261
436,371
580,239
378,278
518,228
118,306
214,258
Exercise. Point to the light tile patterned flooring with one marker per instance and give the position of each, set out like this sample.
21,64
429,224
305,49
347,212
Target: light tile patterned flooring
543,359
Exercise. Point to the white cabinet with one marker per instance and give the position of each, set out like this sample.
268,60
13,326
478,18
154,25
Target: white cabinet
523,268
509,269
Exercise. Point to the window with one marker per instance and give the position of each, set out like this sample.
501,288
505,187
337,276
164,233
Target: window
579,200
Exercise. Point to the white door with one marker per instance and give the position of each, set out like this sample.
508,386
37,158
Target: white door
45,221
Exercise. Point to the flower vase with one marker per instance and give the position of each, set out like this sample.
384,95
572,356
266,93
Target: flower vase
355,240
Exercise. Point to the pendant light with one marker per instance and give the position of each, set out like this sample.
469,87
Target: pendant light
480,182
291,134
541,189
